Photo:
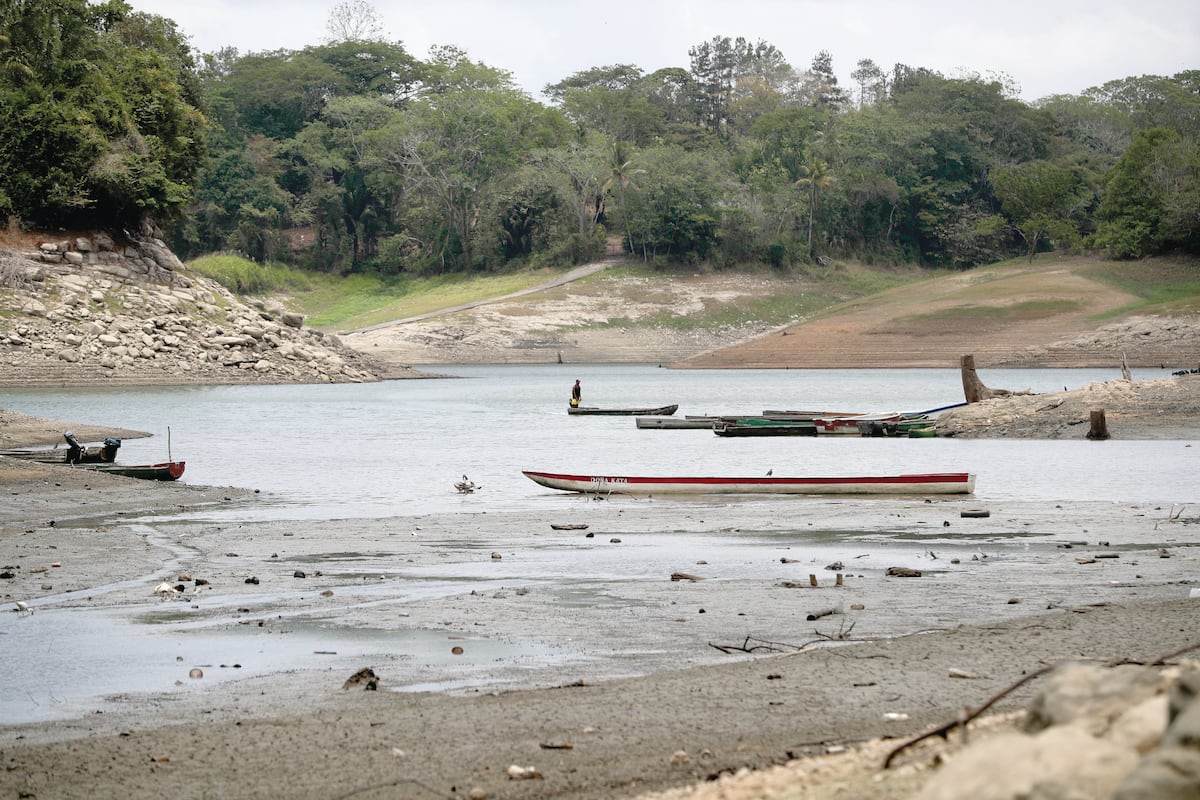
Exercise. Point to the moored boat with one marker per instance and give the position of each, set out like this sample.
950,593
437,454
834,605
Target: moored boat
764,427
73,453
660,411
676,423
852,425
926,483
166,471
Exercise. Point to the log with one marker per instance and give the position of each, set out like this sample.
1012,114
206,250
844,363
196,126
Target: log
1099,427
825,612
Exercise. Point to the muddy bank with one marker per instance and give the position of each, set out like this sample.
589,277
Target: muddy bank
608,686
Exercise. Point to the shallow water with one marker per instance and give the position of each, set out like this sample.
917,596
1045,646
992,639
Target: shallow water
397,447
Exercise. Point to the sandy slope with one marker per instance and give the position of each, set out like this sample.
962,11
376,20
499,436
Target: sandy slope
1048,314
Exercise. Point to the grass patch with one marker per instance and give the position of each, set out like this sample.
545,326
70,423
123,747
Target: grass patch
360,300
975,317
243,276
1167,287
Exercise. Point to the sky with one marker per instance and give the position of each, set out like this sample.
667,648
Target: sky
1044,46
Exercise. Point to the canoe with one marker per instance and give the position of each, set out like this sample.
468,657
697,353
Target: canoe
928,483
676,423
166,471
764,428
661,411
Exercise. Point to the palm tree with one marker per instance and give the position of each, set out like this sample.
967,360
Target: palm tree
620,175
816,176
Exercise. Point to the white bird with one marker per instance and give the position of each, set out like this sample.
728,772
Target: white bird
22,607
465,486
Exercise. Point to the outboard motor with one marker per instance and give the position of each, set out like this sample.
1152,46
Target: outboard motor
108,453
74,449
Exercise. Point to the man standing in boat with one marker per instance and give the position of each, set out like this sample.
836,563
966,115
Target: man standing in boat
576,394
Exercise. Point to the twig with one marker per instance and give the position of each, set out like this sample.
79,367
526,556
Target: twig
963,719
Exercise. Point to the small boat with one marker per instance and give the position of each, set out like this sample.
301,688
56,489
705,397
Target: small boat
166,471
73,453
660,411
852,425
764,427
928,483
676,423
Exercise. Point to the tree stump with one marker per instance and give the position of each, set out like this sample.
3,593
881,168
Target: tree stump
973,388
1099,427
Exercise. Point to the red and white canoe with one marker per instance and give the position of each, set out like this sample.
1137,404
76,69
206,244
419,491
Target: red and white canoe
928,483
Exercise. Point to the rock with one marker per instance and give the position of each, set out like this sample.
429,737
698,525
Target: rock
1063,762
903,572
1095,694
365,677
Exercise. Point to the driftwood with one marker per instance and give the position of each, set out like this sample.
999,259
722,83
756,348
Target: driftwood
973,388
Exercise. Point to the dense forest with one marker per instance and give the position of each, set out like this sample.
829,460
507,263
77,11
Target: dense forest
355,155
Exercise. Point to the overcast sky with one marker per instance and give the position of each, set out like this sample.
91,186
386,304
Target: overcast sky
1045,46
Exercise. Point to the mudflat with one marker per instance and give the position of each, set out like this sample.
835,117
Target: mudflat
621,685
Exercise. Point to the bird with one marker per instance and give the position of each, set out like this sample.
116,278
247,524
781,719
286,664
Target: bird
465,486
770,472
22,607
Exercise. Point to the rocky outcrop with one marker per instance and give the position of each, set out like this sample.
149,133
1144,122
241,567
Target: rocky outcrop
1126,733
87,309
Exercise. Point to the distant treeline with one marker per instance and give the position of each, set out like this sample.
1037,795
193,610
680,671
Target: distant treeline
355,155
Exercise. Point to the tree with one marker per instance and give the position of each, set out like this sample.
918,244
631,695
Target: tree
621,172
719,66
1152,197
815,177
819,85
105,119
1042,200
872,83
354,21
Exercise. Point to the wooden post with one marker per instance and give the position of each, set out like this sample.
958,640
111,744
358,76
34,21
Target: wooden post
1099,428
812,579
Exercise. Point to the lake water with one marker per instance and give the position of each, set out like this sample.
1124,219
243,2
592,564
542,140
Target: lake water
397,447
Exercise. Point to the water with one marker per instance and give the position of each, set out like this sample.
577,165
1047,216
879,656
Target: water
397,447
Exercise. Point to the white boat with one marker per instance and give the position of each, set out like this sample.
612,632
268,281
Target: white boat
927,483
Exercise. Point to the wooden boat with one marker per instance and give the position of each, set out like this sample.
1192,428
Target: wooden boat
661,411
676,423
928,483
852,425
166,471
764,427
73,453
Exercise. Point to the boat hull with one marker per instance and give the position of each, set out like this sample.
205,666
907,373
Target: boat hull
765,429
660,411
166,471
927,483
675,423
